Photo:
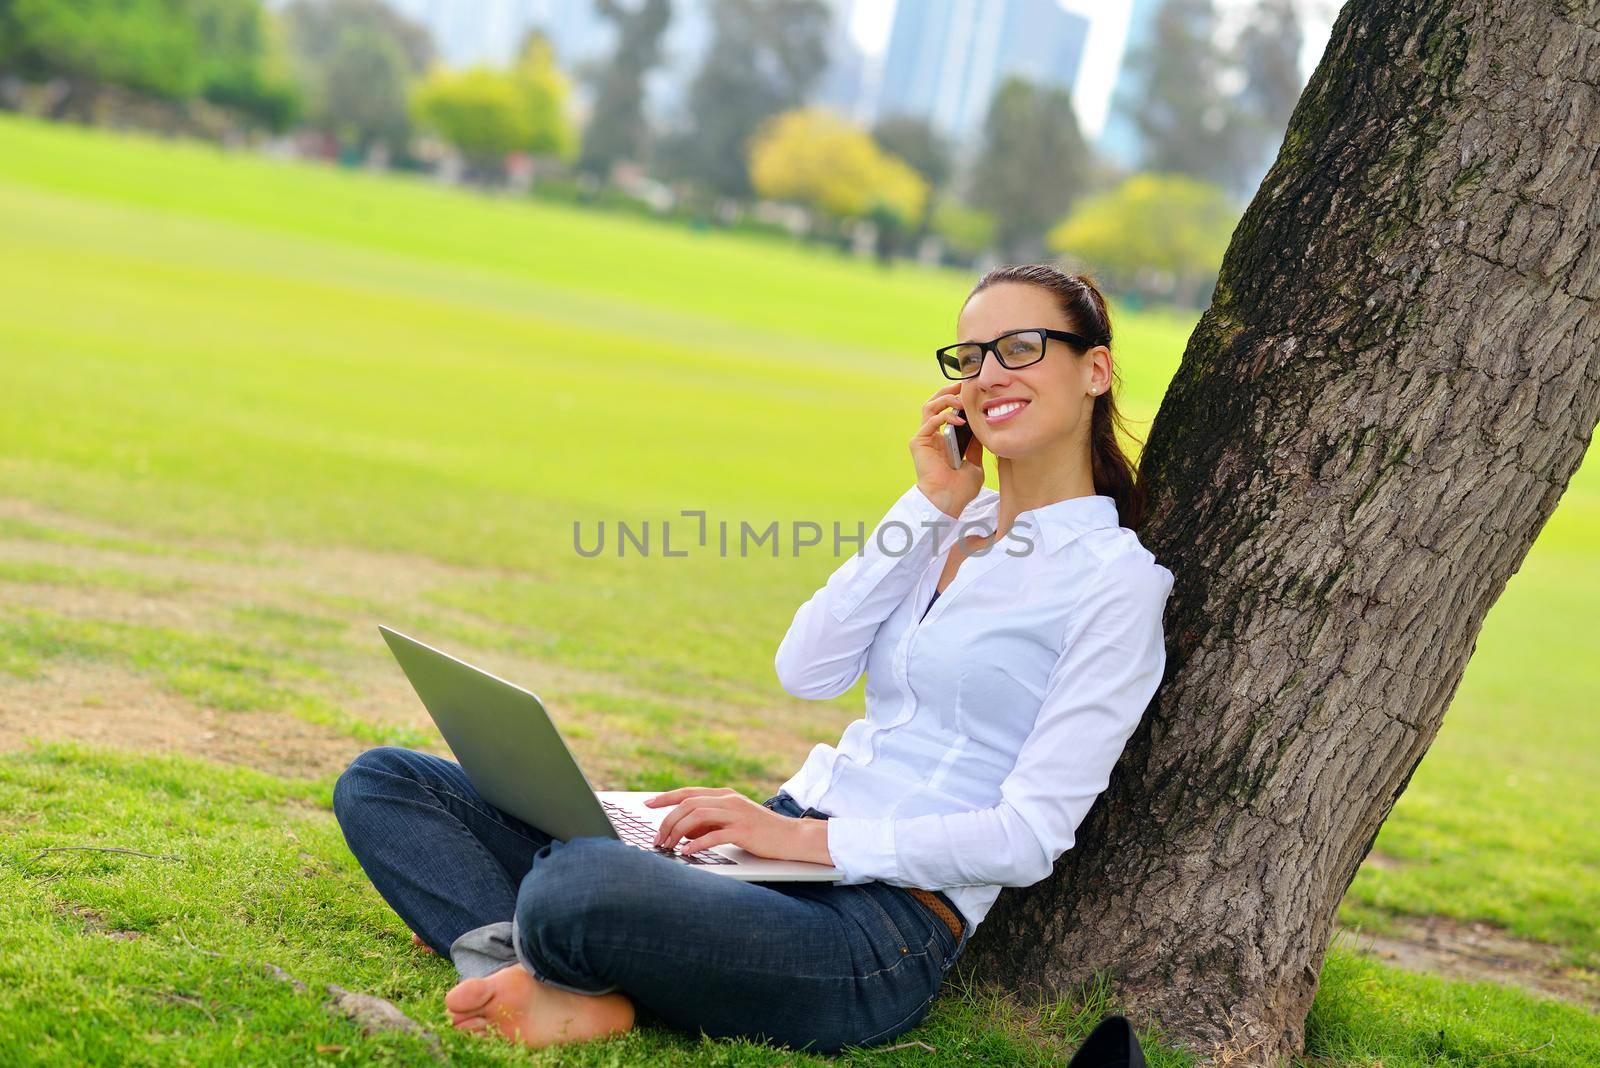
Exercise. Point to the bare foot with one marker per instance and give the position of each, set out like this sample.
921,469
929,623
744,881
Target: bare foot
417,941
536,1014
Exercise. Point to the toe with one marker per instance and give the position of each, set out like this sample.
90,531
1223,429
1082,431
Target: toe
468,996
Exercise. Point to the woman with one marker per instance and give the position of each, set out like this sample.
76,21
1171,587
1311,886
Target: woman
1001,688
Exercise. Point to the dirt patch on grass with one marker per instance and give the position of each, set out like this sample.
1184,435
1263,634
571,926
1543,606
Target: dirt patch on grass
95,922
316,606
1477,952
100,705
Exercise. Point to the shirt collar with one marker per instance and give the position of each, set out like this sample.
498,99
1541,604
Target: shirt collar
1057,523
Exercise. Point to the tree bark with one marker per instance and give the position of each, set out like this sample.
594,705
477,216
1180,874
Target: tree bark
1396,378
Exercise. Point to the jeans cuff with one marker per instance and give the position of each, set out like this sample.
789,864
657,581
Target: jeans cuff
484,950
522,958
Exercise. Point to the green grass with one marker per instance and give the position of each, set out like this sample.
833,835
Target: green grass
261,877
111,958
1368,1014
210,363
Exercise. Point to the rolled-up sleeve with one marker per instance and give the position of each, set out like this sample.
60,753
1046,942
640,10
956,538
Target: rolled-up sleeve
825,649
1096,693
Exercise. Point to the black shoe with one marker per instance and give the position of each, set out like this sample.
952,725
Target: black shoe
1110,1045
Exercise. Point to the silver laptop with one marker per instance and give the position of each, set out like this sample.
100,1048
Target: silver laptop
513,755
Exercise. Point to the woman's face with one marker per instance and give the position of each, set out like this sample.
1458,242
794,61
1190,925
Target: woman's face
1056,403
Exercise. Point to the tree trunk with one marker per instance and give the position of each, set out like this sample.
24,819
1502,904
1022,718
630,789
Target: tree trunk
1398,374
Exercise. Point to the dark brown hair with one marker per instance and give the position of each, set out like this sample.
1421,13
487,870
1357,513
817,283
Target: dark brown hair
1080,300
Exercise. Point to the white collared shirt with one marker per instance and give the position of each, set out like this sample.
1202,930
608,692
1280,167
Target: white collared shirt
993,724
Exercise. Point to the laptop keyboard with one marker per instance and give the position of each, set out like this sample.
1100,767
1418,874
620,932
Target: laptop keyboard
636,832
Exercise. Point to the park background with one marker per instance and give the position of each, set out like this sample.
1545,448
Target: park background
297,340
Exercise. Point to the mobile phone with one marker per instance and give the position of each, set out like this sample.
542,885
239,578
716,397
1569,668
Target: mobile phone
957,436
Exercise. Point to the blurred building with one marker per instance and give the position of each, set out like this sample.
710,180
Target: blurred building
1119,139
945,58
849,83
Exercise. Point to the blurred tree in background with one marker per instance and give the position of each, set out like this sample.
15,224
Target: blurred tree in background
1030,167
1158,236
764,58
488,113
478,111
1268,53
1186,121
140,44
545,93
816,158
222,51
357,60
617,129
1189,119
930,154
966,231
244,61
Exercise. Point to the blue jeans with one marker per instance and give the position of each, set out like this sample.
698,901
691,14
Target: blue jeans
814,966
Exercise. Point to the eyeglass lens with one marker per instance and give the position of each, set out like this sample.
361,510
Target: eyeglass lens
1015,350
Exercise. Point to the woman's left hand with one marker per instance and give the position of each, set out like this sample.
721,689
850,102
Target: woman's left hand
712,816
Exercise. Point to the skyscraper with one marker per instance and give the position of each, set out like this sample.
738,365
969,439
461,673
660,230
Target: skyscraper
843,85
946,57
1119,140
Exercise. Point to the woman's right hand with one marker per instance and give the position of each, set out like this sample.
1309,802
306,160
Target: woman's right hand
952,490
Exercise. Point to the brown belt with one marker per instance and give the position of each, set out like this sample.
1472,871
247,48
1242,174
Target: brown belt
927,897
940,909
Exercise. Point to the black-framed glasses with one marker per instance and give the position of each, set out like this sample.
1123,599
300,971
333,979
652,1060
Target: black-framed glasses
1017,349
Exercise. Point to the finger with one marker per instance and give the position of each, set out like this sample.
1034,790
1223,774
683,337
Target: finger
956,410
666,826
670,796
693,825
707,812
946,415
714,812
949,415
724,836
668,830
687,791
941,400
680,793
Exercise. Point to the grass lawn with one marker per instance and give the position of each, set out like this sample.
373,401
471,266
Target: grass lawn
249,410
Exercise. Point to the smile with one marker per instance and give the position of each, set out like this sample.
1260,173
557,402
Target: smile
1001,412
